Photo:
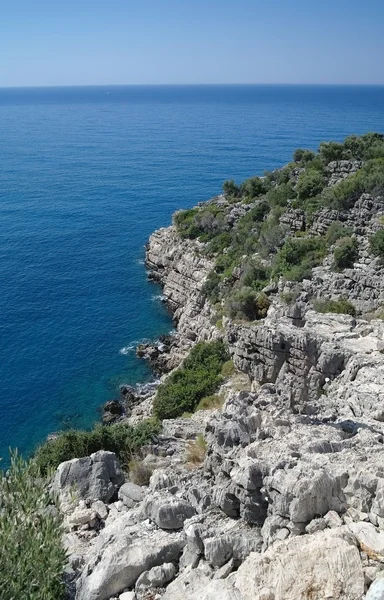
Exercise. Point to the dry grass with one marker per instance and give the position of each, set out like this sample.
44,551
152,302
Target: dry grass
196,451
139,472
211,402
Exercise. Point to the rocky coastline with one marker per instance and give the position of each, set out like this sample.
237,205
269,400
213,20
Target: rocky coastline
278,494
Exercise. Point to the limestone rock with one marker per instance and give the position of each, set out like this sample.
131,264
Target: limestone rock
321,566
157,577
95,477
376,590
195,585
168,511
121,554
371,539
130,494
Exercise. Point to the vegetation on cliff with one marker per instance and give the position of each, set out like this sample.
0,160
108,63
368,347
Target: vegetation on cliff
122,439
32,558
249,231
199,376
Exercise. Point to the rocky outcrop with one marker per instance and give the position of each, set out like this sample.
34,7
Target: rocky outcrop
182,270
93,478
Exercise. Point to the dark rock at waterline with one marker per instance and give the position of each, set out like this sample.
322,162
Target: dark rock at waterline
157,354
128,392
112,411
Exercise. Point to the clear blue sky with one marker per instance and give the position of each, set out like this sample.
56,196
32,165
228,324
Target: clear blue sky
81,42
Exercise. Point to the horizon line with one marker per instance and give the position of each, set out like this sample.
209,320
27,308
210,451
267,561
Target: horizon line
115,85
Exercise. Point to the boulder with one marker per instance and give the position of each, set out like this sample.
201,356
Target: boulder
196,585
121,554
130,494
370,539
157,577
95,477
376,590
168,511
320,566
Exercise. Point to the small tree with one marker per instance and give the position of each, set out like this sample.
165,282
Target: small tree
230,188
345,254
32,558
309,185
376,243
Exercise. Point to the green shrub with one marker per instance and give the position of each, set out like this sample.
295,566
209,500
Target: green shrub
369,179
122,439
376,243
303,156
185,223
341,306
309,184
32,558
331,151
199,376
230,189
253,187
246,304
298,256
345,254
280,194
336,231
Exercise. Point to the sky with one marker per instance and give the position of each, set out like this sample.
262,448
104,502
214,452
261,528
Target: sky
105,42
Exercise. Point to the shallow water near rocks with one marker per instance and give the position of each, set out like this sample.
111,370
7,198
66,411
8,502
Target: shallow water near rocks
86,175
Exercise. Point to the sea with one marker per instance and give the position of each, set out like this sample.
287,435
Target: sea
86,175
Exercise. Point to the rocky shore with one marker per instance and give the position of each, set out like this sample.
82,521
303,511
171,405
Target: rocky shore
279,493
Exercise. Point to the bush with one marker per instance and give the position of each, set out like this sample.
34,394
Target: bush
341,306
345,254
230,189
122,439
185,223
303,156
336,231
309,185
199,376
279,195
32,558
376,243
298,256
331,151
246,304
369,179
253,187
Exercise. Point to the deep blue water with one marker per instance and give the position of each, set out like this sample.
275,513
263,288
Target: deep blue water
86,174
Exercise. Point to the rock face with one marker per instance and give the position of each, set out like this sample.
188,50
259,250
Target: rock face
182,272
121,554
95,477
321,566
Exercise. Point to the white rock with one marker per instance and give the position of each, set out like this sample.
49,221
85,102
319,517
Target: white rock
321,566
127,596
370,539
376,590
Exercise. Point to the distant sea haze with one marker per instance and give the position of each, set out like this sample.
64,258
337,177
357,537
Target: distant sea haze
86,174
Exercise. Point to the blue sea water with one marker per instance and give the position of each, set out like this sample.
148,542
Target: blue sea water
86,174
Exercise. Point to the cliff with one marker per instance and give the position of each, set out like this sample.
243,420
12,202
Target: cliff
277,494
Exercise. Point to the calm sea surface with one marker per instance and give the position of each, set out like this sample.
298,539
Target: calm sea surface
86,174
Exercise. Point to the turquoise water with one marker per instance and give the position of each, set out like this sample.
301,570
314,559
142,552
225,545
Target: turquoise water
86,174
